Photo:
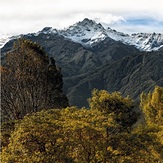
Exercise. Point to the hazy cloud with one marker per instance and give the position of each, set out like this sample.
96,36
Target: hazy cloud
22,16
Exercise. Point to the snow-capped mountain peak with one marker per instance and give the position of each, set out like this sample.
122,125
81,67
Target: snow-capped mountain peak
47,30
85,32
148,41
88,32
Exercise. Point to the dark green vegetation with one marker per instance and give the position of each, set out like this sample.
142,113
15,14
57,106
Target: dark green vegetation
39,127
104,133
30,81
108,65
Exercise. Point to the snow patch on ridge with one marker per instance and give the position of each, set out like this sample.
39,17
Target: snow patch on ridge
88,32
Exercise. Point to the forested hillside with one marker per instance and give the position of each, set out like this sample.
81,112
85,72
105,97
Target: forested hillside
38,125
109,131
107,64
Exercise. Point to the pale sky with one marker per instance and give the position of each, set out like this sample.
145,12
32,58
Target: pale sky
128,16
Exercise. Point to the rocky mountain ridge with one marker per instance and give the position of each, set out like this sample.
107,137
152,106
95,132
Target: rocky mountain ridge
88,33
99,62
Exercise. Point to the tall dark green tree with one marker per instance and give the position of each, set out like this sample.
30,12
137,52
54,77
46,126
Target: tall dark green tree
30,81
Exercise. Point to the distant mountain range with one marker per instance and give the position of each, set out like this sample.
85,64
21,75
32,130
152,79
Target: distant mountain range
88,33
91,56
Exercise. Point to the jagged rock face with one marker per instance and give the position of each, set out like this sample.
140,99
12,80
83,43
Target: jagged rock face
91,56
142,41
74,58
148,41
88,33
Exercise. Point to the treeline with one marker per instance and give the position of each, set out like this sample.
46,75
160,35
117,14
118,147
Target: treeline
109,131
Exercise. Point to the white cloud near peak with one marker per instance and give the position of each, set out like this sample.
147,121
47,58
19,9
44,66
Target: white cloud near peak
22,16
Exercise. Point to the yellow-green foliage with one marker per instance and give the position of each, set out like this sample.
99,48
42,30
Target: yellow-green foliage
74,135
6,130
108,103
152,106
33,138
59,135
